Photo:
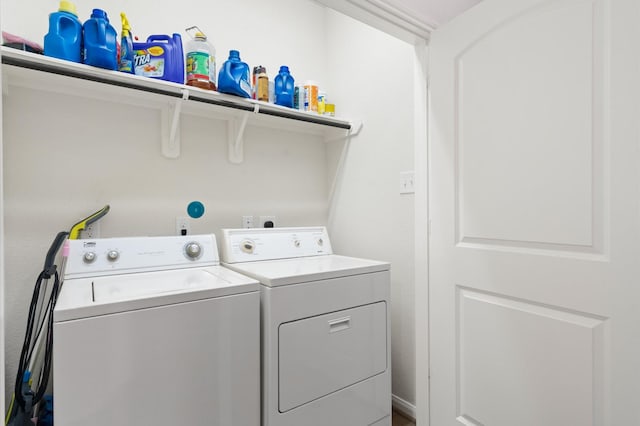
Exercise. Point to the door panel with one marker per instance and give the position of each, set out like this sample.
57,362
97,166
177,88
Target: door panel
533,144
539,86
521,360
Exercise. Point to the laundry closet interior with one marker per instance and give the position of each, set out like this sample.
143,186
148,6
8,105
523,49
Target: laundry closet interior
70,146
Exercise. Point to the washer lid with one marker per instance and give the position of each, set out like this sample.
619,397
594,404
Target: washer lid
88,297
274,273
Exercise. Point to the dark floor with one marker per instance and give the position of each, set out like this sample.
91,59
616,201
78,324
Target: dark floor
399,420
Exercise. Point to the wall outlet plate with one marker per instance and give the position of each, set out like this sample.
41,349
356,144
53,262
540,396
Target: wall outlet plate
247,221
265,219
182,225
91,231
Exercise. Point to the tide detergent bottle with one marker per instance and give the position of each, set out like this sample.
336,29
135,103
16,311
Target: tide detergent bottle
64,39
160,57
100,41
233,78
285,87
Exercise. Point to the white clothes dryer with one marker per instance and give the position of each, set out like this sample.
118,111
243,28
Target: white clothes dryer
153,331
325,327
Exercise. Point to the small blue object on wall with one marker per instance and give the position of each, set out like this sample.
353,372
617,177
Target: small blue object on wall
195,209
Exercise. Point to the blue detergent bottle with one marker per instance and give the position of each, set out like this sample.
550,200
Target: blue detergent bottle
233,77
160,57
64,39
285,87
100,41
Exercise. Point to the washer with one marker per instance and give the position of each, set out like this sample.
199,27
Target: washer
153,331
325,327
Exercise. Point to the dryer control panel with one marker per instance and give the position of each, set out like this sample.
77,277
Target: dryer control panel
249,245
107,256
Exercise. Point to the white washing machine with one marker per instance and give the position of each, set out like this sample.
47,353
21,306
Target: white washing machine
325,327
153,331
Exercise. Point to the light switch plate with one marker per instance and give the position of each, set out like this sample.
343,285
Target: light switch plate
407,185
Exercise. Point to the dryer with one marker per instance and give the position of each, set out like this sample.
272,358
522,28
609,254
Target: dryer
153,331
325,327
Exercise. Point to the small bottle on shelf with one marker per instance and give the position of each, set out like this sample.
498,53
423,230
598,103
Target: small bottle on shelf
262,85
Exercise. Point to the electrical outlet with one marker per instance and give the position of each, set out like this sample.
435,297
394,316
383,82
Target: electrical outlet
247,221
91,231
265,219
407,185
182,225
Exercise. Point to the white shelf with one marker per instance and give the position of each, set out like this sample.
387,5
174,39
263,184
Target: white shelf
54,75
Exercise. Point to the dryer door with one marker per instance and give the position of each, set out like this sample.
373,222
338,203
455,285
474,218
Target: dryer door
323,354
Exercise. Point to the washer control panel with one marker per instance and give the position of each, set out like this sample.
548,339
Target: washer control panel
107,256
248,245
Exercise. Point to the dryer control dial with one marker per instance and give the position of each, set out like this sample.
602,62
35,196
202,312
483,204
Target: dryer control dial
89,257
193,250
247,246
296,243
113,255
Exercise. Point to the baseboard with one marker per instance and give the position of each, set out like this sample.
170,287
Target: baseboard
403,407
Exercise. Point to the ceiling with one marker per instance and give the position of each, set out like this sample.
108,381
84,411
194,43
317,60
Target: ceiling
433,12
409,20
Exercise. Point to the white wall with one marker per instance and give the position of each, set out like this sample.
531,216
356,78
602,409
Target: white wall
371,75
66,155
271,33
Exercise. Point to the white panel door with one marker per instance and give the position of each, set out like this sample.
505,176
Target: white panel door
534,208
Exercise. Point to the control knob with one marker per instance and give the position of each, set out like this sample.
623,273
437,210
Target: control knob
193,250
89,257
247,246
113,255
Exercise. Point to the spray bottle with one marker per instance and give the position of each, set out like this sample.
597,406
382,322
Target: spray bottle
126,49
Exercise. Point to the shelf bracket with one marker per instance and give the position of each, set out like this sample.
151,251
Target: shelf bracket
170,127
235,136
356,128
